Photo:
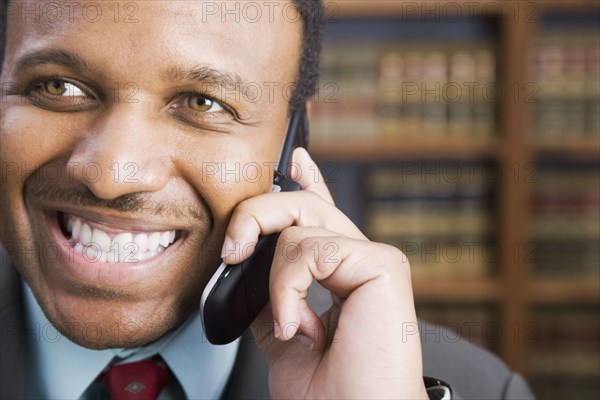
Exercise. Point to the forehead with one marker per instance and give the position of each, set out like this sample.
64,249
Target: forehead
249,37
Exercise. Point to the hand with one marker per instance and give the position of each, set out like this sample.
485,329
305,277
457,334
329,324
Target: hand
367,344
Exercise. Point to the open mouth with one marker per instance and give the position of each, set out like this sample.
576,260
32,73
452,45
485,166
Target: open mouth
104,244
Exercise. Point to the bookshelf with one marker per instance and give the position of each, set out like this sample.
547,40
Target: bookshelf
545,164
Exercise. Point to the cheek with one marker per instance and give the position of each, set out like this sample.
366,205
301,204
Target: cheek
227,171
25,146
31,138
33,134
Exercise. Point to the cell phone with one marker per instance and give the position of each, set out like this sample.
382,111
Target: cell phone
235,294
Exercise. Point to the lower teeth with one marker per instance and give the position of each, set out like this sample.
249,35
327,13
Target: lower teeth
94,254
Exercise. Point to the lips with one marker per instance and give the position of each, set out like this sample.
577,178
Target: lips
110,245
98,250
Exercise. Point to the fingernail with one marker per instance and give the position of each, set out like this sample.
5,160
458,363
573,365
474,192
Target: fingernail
306,342
277,329
228,247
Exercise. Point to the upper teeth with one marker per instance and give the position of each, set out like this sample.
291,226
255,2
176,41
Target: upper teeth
98,245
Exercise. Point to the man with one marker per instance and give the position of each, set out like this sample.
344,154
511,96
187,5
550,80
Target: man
125,129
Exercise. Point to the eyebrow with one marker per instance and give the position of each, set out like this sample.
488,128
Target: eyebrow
207,75
202,74
54,56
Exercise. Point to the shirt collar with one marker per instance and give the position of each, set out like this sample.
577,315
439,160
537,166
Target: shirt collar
59,368
201,368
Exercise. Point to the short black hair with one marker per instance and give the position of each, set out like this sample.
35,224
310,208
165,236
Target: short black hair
307,79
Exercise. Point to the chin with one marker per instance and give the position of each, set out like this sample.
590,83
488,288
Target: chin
107,324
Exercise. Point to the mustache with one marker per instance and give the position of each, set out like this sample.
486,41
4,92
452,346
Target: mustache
138,202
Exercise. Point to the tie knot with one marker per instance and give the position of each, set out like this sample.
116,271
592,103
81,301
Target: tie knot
142,380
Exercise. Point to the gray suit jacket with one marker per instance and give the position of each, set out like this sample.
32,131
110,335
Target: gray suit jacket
472,372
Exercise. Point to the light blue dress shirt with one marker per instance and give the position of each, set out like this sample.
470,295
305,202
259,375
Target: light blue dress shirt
57,368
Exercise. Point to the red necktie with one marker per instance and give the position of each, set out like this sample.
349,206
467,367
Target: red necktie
141,380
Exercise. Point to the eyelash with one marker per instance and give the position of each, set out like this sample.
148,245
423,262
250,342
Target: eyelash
36,89
185,96
38,94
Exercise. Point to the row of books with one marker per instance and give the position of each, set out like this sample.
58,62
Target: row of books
417,91
567,258
564,67
432,178
563,350
563,358
443,223
565,224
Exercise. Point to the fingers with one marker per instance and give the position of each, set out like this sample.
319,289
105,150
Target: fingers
309,176
273,212
310,333
340,264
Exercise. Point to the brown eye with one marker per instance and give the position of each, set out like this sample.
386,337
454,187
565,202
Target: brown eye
58,87
203,104
55,87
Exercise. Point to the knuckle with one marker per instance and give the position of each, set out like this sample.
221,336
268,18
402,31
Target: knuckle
289,234
314,253
314,197
244,208
399,255
395,263
308,197
277,288
287,248
247,212
307,244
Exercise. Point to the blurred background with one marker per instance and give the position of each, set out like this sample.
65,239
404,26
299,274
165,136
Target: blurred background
467,134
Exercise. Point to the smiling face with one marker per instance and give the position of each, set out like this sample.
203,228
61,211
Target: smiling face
126,145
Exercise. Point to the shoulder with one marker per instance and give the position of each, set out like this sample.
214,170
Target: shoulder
11,324
473,372
250,376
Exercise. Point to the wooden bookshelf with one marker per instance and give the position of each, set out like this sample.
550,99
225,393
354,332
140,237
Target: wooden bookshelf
458,291
578,148
399,8
399,150
513,289
560,292
395,8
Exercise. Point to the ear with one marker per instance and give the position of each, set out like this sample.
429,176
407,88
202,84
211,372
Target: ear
309,105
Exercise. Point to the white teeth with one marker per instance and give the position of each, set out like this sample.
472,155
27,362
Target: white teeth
141,239
102,239
76,229
79,248
153,241
102,256
92,254
123,245
164,239
112,257
85,237
97,245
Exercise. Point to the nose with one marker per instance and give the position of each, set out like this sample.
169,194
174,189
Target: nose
123,152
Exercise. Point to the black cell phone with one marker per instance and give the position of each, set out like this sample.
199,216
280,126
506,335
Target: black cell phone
235,294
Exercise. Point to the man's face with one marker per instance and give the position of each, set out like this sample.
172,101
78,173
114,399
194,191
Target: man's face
108,133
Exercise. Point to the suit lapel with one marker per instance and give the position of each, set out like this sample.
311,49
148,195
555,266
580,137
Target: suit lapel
11,326
250,376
